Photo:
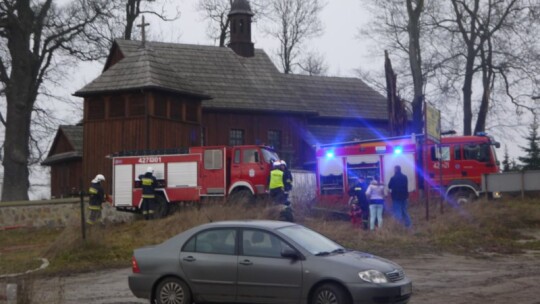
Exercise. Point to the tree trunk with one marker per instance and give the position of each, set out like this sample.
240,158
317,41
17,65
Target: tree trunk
21,94
467,92
223,33
16,146
132,12
415,60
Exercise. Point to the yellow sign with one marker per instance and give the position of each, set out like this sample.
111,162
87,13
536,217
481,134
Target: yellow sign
433,123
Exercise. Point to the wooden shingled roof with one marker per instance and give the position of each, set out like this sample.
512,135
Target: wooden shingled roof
143,69
74,135
238,83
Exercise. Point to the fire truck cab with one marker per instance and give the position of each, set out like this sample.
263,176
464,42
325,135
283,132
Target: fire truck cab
454,167
193,173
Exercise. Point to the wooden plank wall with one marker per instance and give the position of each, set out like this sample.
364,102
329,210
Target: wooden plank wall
256,126
65,179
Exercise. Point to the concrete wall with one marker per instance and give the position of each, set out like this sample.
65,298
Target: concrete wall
51,213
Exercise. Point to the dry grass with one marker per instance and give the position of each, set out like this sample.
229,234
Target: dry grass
484,226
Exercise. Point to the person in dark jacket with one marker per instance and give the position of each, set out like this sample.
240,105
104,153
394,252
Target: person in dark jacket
399,189
149,184
286,213
97,197
358,190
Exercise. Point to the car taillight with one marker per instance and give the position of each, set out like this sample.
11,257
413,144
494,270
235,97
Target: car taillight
134,265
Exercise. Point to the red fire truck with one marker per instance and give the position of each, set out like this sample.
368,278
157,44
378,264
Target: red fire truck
190,175
457,164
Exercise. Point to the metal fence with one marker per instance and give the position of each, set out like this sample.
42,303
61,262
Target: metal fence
512,182
304,186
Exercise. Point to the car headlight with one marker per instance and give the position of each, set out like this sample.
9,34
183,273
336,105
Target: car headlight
373,276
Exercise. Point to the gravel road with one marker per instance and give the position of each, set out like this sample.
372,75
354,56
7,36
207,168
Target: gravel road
436,279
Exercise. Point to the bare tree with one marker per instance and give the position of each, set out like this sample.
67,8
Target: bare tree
467,44
122,17
313,64
33,34
134,10
294,22
216,12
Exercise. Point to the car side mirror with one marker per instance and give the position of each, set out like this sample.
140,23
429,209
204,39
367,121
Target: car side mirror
290,253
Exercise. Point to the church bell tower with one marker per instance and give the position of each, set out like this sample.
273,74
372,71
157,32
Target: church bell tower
240,28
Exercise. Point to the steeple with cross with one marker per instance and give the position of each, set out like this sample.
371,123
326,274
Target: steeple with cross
143,29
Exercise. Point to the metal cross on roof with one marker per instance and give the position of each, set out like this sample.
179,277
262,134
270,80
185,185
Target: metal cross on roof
143,28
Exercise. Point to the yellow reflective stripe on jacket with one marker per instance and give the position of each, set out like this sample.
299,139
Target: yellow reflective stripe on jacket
147,181
94,207
92,190
276,179
148,196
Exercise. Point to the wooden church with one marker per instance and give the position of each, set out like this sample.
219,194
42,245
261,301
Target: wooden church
155,96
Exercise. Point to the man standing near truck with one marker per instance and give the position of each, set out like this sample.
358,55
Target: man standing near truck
399,189
97,197
276,186
148,183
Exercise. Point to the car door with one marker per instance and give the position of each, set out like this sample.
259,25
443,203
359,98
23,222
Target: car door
209,261
263,275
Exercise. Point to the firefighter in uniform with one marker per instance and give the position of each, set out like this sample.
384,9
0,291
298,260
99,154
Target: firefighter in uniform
97,197
276,185
286,213
148,183
358,190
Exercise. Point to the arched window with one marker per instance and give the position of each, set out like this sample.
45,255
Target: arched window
241,25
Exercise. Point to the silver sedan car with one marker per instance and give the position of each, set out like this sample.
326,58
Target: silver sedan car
263,262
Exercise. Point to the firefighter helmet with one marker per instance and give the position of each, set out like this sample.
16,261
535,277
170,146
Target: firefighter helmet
276,164
283,163
98,178
149,170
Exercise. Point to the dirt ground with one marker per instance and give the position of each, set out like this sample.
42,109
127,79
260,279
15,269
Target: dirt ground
436,279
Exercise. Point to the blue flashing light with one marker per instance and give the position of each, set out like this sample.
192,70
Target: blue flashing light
398,150
330,154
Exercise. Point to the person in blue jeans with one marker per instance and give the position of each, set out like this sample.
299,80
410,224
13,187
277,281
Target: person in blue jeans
375,193
399,189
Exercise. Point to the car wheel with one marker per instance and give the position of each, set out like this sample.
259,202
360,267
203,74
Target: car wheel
330,294
172,291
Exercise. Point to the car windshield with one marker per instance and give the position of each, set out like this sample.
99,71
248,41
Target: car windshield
312,241
269,155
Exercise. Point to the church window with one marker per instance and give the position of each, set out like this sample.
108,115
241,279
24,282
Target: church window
117,107
160,105
274,139
136,106
96,108
241,25
236,137
233,26
192,111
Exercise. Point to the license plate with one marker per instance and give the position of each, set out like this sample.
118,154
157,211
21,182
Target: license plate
406,289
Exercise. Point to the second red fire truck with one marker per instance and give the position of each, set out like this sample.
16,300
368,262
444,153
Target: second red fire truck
198,172
455,167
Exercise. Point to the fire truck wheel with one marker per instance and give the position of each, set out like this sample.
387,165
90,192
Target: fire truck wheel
462,196
242,196
162,207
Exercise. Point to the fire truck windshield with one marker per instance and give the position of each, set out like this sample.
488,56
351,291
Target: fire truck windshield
269,155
